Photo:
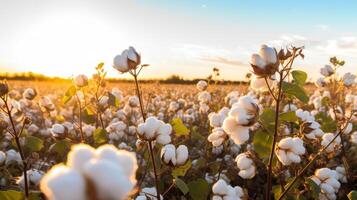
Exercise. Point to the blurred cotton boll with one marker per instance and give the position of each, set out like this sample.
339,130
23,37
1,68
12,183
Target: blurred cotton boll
29,94
108,171
348,79
129,59
81,80
202,85
327,71
260,85
62,182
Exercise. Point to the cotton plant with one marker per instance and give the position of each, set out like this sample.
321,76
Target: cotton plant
173,156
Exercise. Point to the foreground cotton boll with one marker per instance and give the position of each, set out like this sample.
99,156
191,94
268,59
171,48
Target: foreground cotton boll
129,59
289,150
81,80
327,180
107,170
202,85
327,70
221,190
247,169
154,129
327,138
174,157
34,177
62,182
266,62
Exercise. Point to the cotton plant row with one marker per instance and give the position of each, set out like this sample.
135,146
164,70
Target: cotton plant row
272,141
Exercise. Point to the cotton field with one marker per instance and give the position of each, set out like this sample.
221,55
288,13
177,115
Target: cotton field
276,137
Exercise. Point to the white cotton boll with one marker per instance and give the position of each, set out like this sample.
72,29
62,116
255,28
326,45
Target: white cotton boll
168,154
289,150
353,138
204,97
57,130
148,192
327,70
217,137
348,79
34,177
134,101
220,187
268,54
33,128
81,80
13,156
243,162
2,157
79,155
181,155
109,179
247,173
286,143
164,129
257,60
63,183
304,115
326,188
323,173
103,101
215,120
29,94
327,138
202,85
120,62
259,84
152,125
239,134
163,139
88,130
282,156
341,173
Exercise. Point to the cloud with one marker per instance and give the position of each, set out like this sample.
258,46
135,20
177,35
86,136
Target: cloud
341,45
287,40
223,60
323,27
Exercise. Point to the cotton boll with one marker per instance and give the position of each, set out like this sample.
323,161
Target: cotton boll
88,130
220,187
327,70
148,192
33,177
326,179
327,138
182,155
348,79
202,85
154,129
239,134
29,94
109,179
58,130
13,156
81,80
63,183
245,165
79,155
217,137
289,150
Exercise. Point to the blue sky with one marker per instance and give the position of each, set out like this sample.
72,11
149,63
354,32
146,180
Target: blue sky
189,38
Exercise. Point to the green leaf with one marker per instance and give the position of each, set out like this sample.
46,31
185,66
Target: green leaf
69,94
314,188
182,170
352,195
11,195
60,146
34,143
267,118
325,101
113,101
88,116
299,77
179,128
198,189
100,136
328,125
195,135
262,143
181,185
289,116
295,90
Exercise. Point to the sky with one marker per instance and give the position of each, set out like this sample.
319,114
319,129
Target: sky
185,37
